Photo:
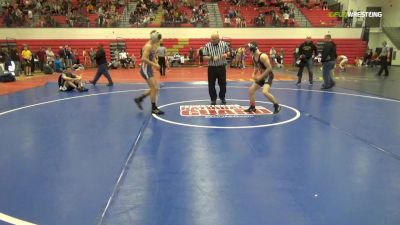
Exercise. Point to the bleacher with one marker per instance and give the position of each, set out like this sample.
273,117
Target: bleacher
317,16
249,13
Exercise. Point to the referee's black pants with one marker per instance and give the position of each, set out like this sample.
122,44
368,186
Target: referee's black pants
384,66
161,62
217,73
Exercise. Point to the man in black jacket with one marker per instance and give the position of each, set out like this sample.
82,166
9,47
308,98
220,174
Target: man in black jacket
306,51
102,67
328,60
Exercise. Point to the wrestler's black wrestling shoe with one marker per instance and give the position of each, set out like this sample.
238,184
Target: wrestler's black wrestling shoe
157,112
277,108
251,109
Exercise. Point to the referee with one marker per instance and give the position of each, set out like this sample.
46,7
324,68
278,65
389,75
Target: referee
385,59
161,54
216,52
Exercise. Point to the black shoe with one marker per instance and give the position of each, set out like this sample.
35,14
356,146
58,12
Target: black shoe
298,82
157,112
277,109
213,103
251,109
110,84
138,103
386,75
92,82
223,102
311,83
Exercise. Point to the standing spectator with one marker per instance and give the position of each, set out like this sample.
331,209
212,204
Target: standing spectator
3,54
200,54
68,57
92,55
216,52
328,60
350,20
86,57
306,51
41,54
161,54
50,57
191,55
14,54
102,66
272,54
58,65
384,58
133,60
27,60
62,54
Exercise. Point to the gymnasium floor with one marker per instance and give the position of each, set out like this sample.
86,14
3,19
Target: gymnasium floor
330,158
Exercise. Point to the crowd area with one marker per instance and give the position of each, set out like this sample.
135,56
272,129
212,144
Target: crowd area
109,13
276,13
43,13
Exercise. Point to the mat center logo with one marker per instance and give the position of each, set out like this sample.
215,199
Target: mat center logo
220,111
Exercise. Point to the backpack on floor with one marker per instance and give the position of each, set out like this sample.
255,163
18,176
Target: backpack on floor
7,78
47,69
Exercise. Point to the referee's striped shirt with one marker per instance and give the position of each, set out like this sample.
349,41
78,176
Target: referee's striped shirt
216,50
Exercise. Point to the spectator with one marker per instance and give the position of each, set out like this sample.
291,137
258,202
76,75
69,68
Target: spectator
27,60
286,19
133,60
14,54
86,57
342,62
243,22
227,21
41,54
191,55
124,59
272,54
92,55
50,57
58,65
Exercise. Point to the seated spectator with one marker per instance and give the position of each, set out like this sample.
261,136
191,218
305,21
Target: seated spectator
90,8
286,19
243,22
367,57
124,59
238,21
227,21
67,81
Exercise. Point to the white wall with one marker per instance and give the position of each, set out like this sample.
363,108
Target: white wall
111,33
